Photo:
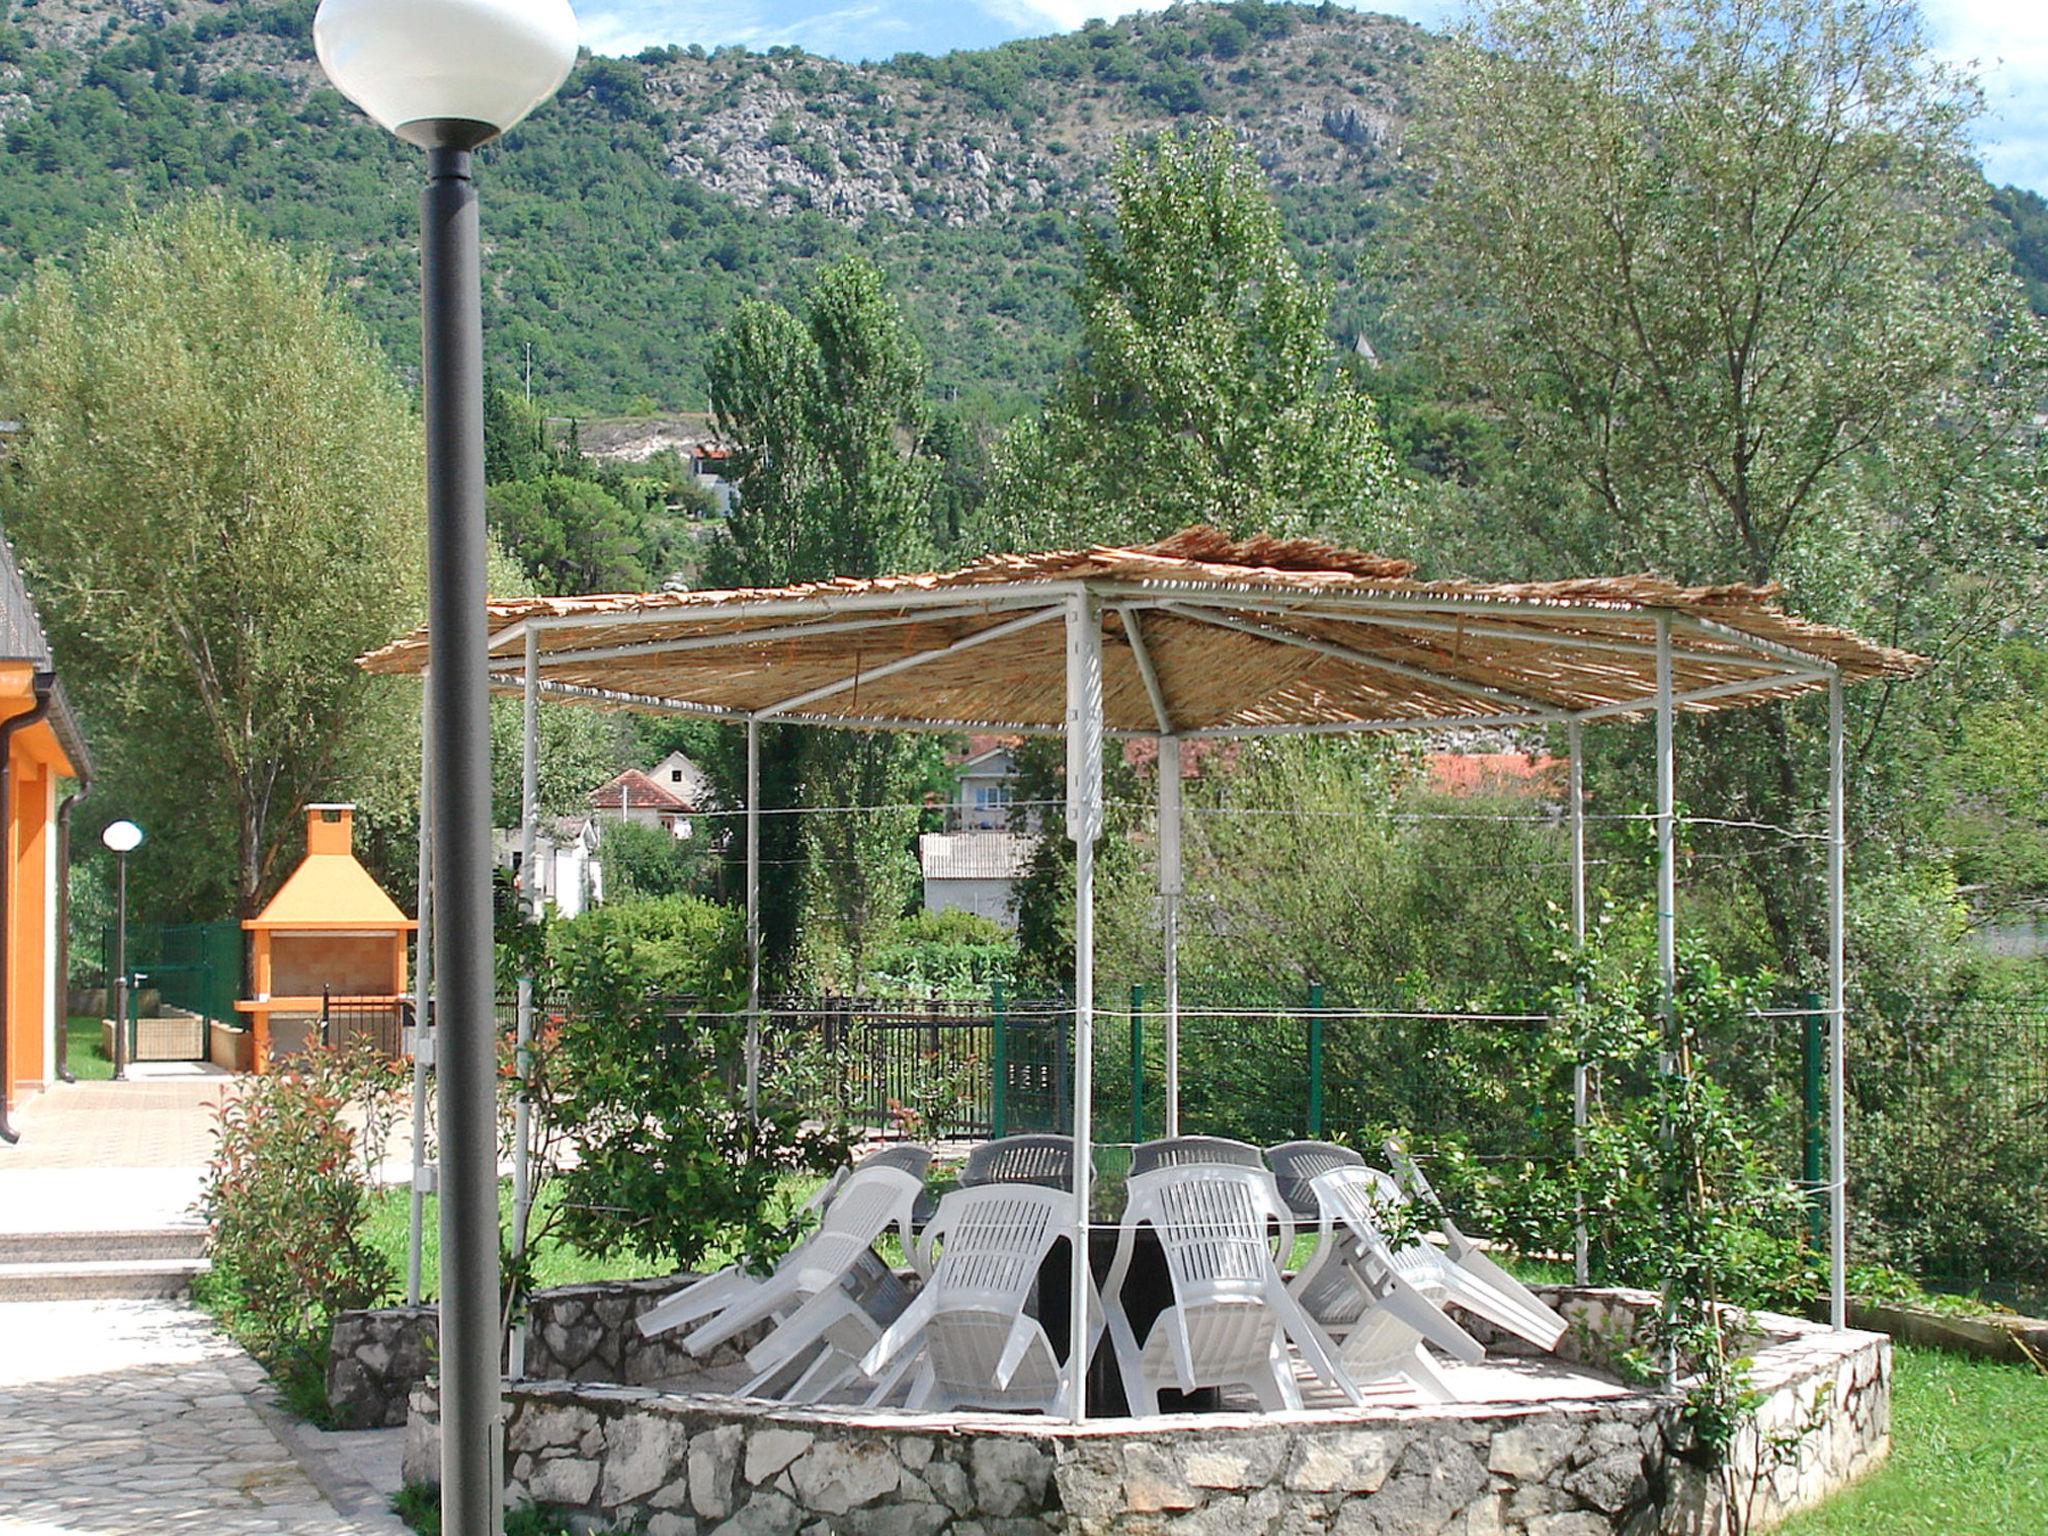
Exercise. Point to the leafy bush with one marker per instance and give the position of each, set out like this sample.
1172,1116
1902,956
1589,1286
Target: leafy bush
285,1200
674,946
942,954
642,861
649,1088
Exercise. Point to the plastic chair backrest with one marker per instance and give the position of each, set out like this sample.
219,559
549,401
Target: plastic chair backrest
1295,1163
908,1156
1358,1197
1408,1173
870,1201
992,1239
1212,1221
1194,1151
1042,1160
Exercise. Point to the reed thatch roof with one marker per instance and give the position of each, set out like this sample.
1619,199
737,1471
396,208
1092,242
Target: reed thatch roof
1216,636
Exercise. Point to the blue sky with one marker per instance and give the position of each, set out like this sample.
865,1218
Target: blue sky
2006,40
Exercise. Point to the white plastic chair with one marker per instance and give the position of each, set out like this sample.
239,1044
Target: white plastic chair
1032,1159
1295,1163
1461,1272
816,1350
1231,1317
968,1331
1190,1151
1355,1290
839,1256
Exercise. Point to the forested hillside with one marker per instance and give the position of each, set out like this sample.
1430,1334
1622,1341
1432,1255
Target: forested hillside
655,193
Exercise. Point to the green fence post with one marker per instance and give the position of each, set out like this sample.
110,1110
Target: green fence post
1137,1065
1000,1113
1315,1060
1816,1205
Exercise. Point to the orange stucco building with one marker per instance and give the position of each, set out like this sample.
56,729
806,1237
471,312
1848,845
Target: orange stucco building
40,750
330,934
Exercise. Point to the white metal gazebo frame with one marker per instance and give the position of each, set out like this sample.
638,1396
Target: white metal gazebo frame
1324,640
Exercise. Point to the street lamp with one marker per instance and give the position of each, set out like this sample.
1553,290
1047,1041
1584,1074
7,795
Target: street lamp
449,75
122,838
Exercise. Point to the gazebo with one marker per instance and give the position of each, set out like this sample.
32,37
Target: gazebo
1195,637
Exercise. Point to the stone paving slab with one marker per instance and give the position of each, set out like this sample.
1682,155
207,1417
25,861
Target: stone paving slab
137,1416
147,1123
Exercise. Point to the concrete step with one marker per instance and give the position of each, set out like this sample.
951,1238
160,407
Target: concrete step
182,1242
84,1280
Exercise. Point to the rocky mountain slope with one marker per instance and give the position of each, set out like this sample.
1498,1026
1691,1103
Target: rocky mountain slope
630,215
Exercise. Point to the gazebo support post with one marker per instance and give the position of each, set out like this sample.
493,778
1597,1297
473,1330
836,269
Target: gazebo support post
753,1065
1575,793
1084,826
1667,838
422,1006
529,893
1169,766
1838,1173
1667,897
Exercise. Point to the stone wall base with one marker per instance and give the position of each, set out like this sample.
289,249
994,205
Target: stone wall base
573,1333
681,1465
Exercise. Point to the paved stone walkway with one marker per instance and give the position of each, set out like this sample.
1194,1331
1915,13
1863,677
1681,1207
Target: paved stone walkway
136,1416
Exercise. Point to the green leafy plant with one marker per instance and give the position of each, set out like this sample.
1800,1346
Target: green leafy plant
285,1201
955,955
642,1068
1678,1191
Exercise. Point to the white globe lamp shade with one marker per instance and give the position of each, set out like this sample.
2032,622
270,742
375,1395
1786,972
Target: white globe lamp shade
122,836
446,71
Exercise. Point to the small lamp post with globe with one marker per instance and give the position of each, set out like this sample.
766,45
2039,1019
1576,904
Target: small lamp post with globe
122,838
449,75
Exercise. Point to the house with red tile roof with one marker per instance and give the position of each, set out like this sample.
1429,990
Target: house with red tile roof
636,795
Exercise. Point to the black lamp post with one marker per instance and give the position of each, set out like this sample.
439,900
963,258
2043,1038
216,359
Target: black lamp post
122,838
448,75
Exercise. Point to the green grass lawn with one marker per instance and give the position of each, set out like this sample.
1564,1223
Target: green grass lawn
389,1230
1969,1456
88,1063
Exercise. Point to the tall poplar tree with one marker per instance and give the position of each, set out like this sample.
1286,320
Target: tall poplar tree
826,415
219,500
1206,391
1206,388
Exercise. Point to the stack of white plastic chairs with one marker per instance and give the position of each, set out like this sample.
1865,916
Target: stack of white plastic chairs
831,1297
1224,1232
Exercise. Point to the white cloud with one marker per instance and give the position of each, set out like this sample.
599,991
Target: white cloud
627,26
2006,42
1058,15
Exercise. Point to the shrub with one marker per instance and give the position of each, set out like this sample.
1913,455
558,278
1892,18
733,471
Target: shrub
942,954
285,1201
642,862
643,1072
673,945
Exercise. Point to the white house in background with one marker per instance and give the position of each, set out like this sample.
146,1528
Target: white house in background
974,871
567,872
635,796
985,786
974,865
680,776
